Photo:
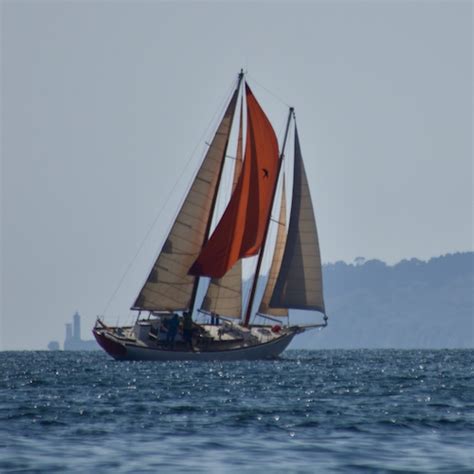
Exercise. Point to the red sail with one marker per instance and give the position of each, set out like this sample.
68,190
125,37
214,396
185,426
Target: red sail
240,231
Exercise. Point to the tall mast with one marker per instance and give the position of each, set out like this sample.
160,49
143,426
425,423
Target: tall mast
262,250
213,205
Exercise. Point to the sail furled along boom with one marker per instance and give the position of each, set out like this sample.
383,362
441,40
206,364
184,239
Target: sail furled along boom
299,283
276,263
241,230
168,286
224,295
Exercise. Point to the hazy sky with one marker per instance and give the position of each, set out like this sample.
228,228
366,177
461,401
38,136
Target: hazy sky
104,102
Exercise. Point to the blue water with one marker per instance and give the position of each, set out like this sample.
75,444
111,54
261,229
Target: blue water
310,411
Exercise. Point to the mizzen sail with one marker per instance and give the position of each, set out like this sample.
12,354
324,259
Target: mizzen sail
241,230
169,286
299,283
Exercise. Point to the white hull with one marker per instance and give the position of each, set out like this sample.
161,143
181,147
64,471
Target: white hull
269,350
121,350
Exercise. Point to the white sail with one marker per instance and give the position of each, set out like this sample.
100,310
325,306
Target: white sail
299,283
276,263
168,286
224,295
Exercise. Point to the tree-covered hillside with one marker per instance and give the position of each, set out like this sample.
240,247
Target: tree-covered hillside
412,304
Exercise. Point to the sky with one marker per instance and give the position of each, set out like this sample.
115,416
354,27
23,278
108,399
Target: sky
106,107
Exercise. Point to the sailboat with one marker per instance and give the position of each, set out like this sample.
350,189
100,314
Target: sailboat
172,323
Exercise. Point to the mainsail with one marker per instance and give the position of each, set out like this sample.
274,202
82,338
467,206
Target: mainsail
241,230
299,283
224,295
276,263
169,287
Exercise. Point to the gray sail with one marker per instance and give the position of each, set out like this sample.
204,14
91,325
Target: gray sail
224,295
299,284
276,263
168,286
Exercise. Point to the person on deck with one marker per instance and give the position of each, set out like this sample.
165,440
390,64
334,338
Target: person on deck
172,330
188,330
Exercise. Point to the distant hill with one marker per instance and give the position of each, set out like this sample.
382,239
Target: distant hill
412,304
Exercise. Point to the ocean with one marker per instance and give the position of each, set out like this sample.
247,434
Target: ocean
308,412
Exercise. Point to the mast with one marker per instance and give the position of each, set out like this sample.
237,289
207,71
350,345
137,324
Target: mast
224,295
241,228
213,206
262,250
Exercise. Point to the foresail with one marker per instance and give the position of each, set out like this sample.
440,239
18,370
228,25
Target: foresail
224,295
241,230
299,283
168,286
276,263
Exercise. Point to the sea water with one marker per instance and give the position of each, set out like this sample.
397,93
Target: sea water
309,411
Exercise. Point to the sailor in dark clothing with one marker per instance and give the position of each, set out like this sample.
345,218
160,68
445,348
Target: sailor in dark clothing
172,330
188,330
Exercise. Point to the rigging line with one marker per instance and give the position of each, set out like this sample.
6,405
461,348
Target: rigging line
276,221
269,91
219,111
